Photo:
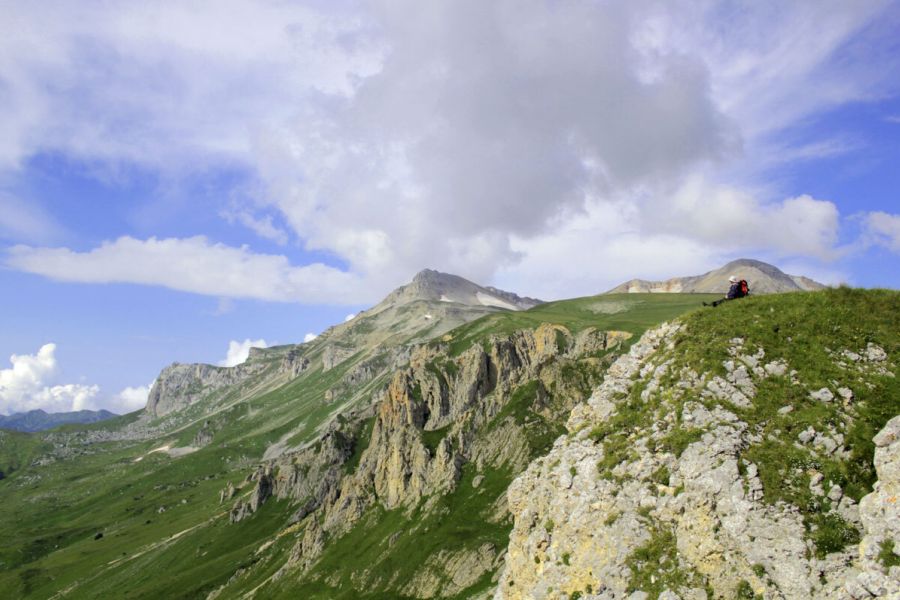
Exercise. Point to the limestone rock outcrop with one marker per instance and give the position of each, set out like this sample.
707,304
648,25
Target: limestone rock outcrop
430,421
180,385
655,493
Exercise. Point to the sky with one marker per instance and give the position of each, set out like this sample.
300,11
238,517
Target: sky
182,181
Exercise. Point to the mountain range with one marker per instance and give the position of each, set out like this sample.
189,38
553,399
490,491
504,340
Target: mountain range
458,441
38,420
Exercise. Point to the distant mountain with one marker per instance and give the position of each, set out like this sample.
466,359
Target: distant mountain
38,420
762,277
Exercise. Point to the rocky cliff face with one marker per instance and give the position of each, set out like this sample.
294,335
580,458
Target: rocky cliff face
493,408
730,475
179,385
762,277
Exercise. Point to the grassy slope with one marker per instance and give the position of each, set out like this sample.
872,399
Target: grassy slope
107,491
53,546
805,330
634,313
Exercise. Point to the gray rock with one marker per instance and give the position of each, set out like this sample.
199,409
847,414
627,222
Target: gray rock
807,435
822,395
776,368
875,353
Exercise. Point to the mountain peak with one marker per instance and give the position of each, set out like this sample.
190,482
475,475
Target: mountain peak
426,274
436,286
762,277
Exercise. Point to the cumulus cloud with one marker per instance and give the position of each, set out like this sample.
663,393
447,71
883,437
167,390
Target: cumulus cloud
166,86
599,250
488,120
239,351
309,337
883,229
461,135
349,317
494,125
193,265
734,220
27,385
129,399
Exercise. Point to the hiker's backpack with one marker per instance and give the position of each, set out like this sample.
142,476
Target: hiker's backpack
745,289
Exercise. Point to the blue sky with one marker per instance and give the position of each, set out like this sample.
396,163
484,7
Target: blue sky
178,182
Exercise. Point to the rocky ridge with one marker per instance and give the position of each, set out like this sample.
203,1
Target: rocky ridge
431,304
668,487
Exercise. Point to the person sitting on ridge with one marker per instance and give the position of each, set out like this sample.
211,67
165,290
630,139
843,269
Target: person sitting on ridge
738,289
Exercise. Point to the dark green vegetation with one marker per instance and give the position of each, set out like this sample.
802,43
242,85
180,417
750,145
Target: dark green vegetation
886,554
50,514
745,592
655,567
18,450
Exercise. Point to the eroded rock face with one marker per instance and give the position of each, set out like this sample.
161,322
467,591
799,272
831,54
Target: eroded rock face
178,385
880,515
334,355
677,494
460,569
398,469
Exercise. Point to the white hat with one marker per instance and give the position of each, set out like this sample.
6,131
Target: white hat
733,279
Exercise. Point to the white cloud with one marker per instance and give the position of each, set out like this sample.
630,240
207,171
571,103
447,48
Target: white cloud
599,250
193,265
165,85
487,120
699,228
239,351
460,135
130,399
494,125
27,385
765,58
883,229
349,317
309,337
736,220
262,226
827,274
